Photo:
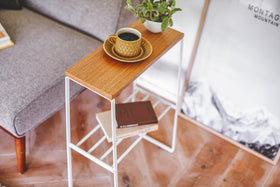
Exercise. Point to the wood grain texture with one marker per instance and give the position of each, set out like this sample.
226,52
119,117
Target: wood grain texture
210,162
247,170
200,157
20,151
109,77
274,174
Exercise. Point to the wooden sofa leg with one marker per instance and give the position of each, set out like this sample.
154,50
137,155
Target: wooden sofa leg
20,151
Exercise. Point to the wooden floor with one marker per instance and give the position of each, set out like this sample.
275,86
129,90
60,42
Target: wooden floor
200,158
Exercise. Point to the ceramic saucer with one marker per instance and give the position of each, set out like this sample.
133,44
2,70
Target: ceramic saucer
145,52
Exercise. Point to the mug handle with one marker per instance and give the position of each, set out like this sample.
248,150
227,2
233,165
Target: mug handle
112,39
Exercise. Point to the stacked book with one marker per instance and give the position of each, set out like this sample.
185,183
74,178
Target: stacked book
132,119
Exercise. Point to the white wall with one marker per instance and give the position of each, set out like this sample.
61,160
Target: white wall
186,21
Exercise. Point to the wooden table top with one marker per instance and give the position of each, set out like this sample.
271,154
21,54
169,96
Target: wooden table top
109,77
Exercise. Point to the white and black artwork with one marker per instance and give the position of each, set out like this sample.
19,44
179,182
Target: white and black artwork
234,83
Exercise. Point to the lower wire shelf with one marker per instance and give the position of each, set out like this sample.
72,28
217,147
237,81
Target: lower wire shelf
100,159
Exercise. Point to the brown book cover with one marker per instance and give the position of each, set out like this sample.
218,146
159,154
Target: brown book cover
135,113
104,119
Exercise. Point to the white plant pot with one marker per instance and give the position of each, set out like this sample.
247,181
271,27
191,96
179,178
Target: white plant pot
152,26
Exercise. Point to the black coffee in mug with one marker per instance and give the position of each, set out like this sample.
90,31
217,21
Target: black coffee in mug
127,36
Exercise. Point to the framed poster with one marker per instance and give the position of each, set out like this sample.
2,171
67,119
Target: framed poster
234,86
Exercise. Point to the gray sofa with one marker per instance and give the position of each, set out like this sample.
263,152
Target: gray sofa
49,37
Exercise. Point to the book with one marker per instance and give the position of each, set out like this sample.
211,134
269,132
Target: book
104,119
5,40
135,114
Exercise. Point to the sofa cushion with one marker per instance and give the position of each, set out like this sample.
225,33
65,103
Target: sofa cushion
126,17
32,71
95,17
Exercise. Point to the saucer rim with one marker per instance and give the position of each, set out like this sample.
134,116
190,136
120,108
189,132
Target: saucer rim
127,59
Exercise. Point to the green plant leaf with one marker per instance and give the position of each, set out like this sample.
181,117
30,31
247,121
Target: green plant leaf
162,7
150,6
164,23
175,10
156,19
140,14
146,13
173,3
142,20
128,2
155,12
170,3
129,8
139,7
156,4
170,22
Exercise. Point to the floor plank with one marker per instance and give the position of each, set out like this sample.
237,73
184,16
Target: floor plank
247,170
273,179
210,163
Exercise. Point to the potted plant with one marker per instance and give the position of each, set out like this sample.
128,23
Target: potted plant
156,15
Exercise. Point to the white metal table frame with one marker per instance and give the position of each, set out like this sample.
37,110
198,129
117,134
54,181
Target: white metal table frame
115,142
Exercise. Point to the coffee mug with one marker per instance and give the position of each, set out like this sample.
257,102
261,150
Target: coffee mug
126,42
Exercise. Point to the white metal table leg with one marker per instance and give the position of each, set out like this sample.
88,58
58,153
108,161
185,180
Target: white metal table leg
177,110
178,97
68,131
114,141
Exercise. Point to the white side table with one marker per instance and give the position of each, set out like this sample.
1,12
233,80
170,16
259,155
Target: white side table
107,78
